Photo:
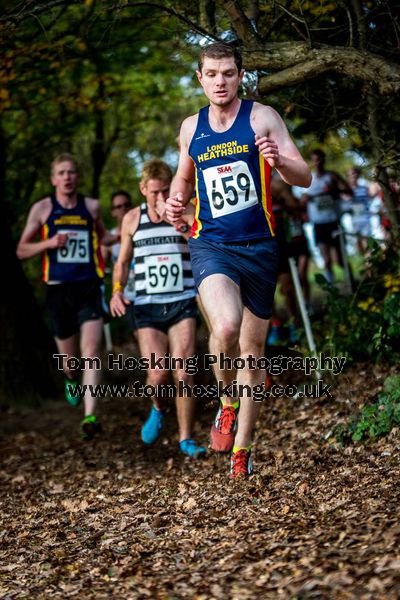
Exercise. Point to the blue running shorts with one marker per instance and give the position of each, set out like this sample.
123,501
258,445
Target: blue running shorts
253,265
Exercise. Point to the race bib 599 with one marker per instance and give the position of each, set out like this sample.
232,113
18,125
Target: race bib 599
164,273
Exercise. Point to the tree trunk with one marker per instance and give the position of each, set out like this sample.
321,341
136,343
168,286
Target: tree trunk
102,146
98,150
26,371
207,15
378,149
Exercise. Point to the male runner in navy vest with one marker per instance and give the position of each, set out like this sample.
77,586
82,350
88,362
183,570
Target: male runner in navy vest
71,228
165,302
227,152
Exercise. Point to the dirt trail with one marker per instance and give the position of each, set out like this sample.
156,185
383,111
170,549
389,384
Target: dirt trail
109,519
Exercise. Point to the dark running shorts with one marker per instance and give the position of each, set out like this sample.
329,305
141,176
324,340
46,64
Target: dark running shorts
298,248
163,316
323,234
283,254
72,303
104,305
253,265
294,249
130,316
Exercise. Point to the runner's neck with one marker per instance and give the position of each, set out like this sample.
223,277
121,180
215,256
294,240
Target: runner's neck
153,214
67,200
221,118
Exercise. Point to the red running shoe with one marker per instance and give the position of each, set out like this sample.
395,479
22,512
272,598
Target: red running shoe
222,434
241,463
267,382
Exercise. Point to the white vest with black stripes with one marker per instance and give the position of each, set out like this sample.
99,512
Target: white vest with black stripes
162,263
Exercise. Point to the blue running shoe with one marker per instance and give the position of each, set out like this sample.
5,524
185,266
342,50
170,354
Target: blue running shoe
275,336
293,335
190,448
152,428
329,277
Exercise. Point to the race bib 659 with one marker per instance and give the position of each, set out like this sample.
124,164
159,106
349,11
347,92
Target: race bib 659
230,188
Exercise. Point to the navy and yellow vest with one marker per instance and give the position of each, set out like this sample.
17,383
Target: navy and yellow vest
233,198
162,263
80,259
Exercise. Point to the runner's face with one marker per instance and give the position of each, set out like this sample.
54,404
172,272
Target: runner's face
120,206
317,161
155,190
220,80
352,177
65,177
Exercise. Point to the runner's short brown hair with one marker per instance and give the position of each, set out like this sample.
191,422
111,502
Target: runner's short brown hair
155,168
63,157
220,50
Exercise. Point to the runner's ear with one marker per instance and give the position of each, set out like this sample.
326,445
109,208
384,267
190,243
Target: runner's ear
142,187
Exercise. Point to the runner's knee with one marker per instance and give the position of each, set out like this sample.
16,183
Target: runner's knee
255,350
181,375
226,334
90,349
157,377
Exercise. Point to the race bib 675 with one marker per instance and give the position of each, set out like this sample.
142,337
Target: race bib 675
76,250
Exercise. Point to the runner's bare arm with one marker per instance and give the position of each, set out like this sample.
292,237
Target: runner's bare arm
187,216
121,268
27,247
189,212
182,185
107,238
276,146
304,200
106,253
374,189
187,220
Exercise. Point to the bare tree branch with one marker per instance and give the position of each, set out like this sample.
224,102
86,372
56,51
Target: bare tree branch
351,25
207,15
240,22
253,11
28,11
361,28
298,63
167,9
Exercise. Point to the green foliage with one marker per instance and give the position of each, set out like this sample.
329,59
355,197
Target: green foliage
111,87
113,83
366,326
376,419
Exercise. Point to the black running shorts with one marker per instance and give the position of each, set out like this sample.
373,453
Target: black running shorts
163,316
72,303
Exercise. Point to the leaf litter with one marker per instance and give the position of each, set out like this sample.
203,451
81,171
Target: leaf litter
111,519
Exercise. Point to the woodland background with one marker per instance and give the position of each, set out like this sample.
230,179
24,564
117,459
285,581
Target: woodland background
111,82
